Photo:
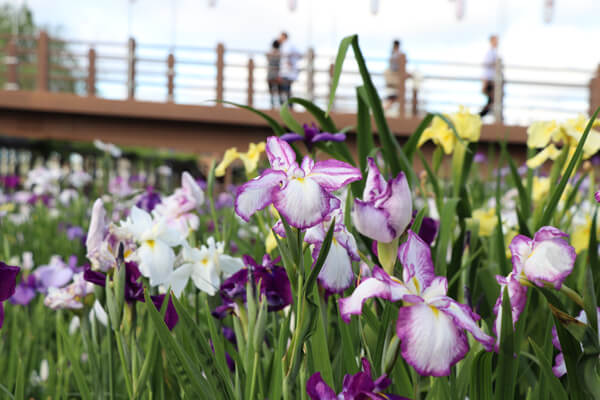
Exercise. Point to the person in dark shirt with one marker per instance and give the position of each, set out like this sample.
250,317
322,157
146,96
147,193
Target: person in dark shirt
391,76
273,77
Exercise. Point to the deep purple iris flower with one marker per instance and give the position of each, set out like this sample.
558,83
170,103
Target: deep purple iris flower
429,228
274,285
359,386
312,135
134,290
148,200
8,280
10,181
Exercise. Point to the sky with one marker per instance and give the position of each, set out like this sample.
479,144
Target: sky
429,29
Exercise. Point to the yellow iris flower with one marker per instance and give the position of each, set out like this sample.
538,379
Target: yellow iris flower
542,135
487,221
250,158
468,128
541,188
580,238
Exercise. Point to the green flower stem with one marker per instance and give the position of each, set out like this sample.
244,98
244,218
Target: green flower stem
254,373
573,295
124,365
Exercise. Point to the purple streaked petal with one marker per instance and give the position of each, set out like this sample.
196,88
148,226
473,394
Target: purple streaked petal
399,204
280,154
346,240
314,235
326,136
430,341
415,256
597,196
334,174
307,165
436,290
302,202
465,318
559,369
372,222
256,194
279,229
336,275
555,340
517,295
375,183
370,287
379,285
317,389
548,233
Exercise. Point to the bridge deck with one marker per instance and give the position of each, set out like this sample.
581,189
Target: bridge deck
194,129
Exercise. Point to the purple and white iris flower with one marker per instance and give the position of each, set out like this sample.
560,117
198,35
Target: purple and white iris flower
102,241
312,135
71,296
546,259
359,386
431,325
8,276
386,206
178,208
559,368
301,193
336,275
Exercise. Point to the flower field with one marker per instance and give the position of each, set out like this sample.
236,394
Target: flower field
325,274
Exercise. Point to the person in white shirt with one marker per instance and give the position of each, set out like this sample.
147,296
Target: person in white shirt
489,74
289,67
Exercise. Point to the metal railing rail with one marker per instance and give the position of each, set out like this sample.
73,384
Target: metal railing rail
193,74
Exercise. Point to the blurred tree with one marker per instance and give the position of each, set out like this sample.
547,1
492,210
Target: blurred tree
20,22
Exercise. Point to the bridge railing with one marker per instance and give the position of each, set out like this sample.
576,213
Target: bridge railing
200,75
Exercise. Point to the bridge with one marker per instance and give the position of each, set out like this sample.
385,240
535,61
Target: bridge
156,95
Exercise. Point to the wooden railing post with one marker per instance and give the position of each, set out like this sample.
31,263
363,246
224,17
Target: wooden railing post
310,74
401,88
414,109
331,71
595,92
131,69
220,73
498,91
250,100
42,62
171,78
91,76
12,62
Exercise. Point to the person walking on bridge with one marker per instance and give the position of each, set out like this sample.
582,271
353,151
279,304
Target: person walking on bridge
489,74
289,67
273,68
